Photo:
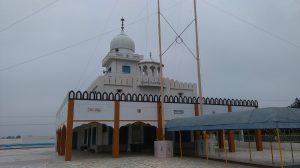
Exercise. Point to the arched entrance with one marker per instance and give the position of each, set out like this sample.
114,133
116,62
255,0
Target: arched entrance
137,137
93,137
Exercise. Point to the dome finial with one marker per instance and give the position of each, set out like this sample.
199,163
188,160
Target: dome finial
122,20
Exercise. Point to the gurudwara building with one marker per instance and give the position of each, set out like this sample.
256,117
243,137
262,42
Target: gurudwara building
119,112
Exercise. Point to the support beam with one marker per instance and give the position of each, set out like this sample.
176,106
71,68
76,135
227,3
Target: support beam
116,130
69,131
258,140
159,130
221,139
231,143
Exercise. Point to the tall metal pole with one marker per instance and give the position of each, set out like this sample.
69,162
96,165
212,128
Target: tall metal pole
198,60
161,74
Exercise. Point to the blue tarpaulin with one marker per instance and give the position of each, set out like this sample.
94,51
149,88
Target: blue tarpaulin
262,118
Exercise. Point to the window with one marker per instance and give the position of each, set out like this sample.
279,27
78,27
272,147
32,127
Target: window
126,69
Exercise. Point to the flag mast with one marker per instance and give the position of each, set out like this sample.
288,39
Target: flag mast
161,76
198,62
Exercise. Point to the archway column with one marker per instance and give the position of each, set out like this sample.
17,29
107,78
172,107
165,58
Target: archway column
116,129
69,131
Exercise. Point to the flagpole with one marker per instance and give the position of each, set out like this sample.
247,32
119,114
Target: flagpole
198,61
161,74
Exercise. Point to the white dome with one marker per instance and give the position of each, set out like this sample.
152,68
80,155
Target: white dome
122,41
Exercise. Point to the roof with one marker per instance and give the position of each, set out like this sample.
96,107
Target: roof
150,60
263,118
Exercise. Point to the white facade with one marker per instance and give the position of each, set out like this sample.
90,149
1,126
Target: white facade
128,72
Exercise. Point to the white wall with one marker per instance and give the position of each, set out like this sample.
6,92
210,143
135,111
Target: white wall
211,109
93,110
177,110
138,111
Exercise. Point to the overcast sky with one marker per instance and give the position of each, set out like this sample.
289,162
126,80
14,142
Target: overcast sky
250,49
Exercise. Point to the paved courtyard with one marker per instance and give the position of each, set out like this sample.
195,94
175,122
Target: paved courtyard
47,157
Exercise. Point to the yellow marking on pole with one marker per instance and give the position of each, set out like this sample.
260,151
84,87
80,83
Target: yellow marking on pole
279,146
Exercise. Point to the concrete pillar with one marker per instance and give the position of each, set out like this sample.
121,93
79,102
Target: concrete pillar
69,131
231,143
258,139
116,130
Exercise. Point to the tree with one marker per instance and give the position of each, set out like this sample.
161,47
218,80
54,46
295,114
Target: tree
296,104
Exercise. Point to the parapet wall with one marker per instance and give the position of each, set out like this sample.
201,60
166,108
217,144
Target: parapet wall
78,95
147,81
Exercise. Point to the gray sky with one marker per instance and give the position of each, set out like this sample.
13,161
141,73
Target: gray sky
250,49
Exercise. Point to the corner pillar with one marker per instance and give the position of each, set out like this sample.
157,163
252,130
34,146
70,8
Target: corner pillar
116,129
69,131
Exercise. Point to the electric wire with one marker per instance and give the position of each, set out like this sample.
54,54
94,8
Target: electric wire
28,124
74,44
252,25
28,16
178,36
97,43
